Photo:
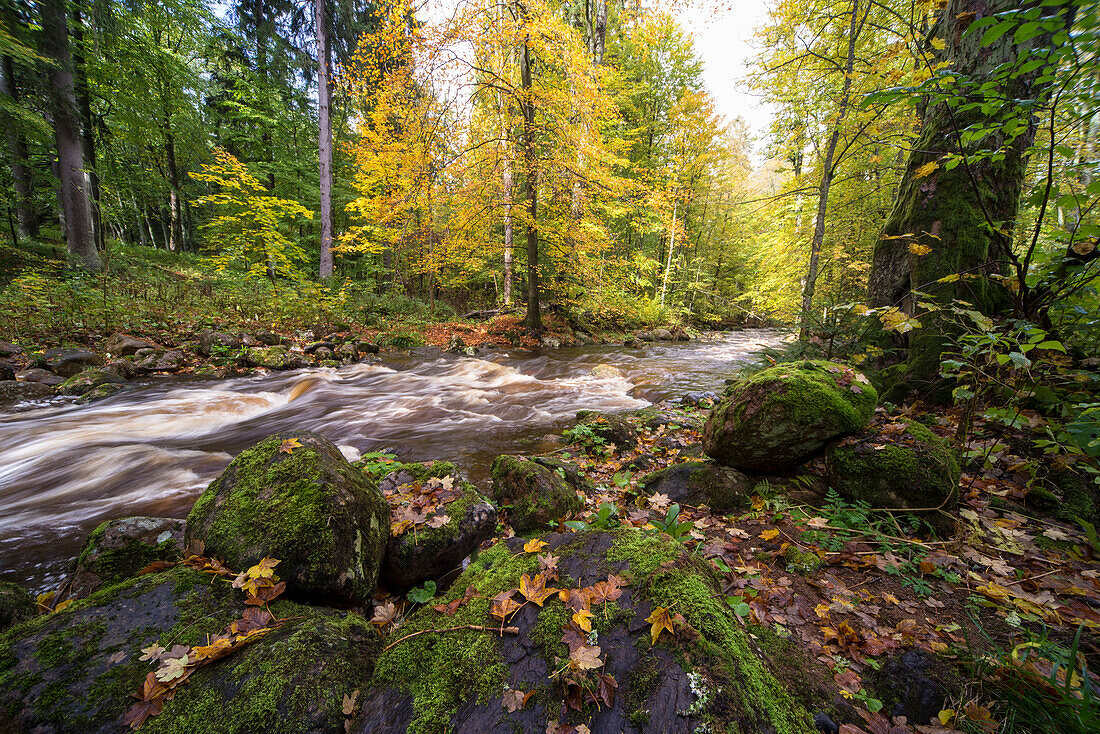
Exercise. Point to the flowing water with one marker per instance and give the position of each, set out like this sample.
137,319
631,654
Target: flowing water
151,450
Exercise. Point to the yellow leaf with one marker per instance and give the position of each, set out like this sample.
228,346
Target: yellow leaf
926,170
946,716
288,446
918,249
583,618
769,534
534,546
659,620
758,503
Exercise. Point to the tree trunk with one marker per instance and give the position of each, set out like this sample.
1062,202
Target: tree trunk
174,214
963,217
87,137
74,197
506,175
324,138
534,318
827,171
17,147
671,248
601,31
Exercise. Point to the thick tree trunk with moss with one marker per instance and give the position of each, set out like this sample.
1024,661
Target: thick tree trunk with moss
959,221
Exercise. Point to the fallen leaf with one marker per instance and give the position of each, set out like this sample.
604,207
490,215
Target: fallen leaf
769,534
659,620
514,700
534,545
385,614
288,446
438,521
535,589
584,618
585,657
503,605
348,707
659,501
172,669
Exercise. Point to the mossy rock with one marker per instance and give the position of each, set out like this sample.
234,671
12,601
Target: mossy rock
87,380
1078,496
784,415
294,497
699,483
536,495
100,392
74,670
271,358
118,549
16,604
907,467
16,392
614,429
430,552
447,680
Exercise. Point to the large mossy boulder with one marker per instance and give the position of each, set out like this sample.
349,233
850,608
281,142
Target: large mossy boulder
68,362
74,670
118,549
16,605
902,465
700,483
704,675
535,494
450,519
294,497
784,415
88,380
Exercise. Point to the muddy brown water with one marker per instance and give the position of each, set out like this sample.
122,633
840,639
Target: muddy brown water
152,449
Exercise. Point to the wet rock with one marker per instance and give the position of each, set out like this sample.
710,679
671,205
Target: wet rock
367,348
701,482
118,549
680,334
324,354
271,358
294,496
86,380
611,428
704,399
7,372
456,681
68,362
550,342
40,376
9,350
632,343
16,605
172,361
123,368
784,415
312,348
269,338
210,341
347,352
426,351
536,494
430,552
646,336
99,392
72,672
586,340
663,335
16,392
605,372
247,340
124,345
456,345
908,689
898,467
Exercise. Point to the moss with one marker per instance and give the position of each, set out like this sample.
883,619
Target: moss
640,686
690,587
803,563
295,506
16,604
537,494
1078,496
112,565
442,671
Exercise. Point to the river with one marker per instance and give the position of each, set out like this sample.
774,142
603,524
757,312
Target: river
151,450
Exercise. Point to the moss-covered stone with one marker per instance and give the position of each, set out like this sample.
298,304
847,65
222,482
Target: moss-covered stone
908,467
16,604
454,679
99,392
700,482
74,670
536,495
295,497
613,429
85,381
118,549
427,552
784,415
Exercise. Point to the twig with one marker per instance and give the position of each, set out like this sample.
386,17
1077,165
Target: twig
473,627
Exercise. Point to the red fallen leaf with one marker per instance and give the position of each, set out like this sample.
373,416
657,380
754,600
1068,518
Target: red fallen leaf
848,679
264,595
142,710
575,599
606,689
452,607
573,637
156,567
503,605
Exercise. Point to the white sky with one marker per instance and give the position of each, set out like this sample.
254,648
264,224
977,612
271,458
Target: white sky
725,39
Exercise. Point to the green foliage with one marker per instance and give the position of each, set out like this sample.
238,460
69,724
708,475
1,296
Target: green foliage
422,594
606,518
670,524
250,226
585,436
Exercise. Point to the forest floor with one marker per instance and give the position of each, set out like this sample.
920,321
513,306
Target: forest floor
991,611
